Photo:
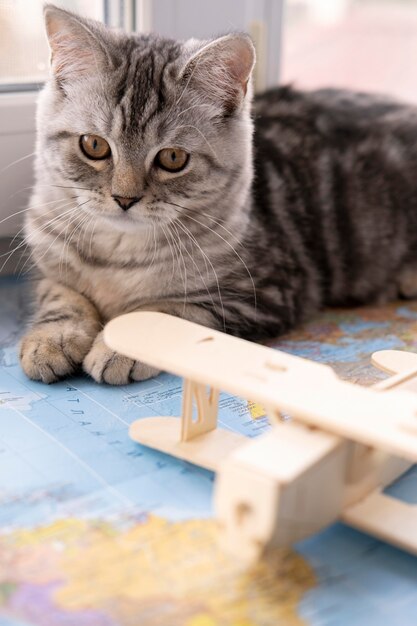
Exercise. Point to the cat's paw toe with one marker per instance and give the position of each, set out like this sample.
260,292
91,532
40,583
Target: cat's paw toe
106,366
142,371
48,358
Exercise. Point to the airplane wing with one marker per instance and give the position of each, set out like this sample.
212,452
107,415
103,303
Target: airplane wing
310,392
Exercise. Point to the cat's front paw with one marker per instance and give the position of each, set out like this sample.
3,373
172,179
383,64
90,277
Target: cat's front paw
106,366
51,353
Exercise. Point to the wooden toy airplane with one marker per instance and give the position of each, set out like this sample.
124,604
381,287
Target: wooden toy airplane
331,461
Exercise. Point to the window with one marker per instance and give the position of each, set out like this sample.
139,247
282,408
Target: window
369,45
23,67
23,47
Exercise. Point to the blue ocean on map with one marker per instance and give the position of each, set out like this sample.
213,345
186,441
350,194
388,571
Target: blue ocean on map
65,452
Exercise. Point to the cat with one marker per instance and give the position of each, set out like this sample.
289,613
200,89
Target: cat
162,185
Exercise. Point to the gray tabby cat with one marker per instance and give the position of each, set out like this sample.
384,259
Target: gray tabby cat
146,195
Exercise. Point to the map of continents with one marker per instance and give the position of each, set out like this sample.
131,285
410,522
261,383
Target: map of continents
96,530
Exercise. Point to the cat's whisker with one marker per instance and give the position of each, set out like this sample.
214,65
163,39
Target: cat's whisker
22,189
216,220
186,278
24,257
90,246
176,257
181,256
148,238
10,252
181,246
49,187
178,246
57,218
13,195
183,275
24,243
86,231
9,217
78,227
17,235
61,206
194,106
206,258
176,103
225,241
75,234
84,227
83,221
29,208
69,215
21,230
204,137
190,236
58,202
9,255
45,233
27,156
155,249
64,252
174,243
70,187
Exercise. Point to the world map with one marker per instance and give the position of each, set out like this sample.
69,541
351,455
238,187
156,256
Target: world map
96,530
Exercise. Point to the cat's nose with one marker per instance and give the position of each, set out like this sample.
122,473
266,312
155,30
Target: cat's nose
126,203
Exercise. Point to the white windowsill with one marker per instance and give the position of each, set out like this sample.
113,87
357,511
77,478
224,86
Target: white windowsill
17,112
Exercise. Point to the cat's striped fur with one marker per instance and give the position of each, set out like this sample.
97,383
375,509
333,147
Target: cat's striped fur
327,217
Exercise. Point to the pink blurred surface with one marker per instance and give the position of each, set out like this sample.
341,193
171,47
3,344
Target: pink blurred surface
372,48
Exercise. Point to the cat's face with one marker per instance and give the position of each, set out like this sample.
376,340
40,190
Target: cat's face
140,129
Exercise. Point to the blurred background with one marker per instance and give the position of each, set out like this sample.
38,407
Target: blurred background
23,48
368,45
360,44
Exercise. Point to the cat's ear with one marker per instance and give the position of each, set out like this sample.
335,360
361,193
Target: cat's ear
76,44
222,69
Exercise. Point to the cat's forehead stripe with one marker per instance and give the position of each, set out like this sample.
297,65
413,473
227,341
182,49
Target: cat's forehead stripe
140,93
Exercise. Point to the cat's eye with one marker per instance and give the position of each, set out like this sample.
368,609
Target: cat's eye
94,147
172,159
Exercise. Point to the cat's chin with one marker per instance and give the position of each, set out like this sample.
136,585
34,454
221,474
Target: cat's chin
128,224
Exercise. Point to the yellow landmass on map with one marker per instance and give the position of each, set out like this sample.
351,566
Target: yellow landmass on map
256,410
156,573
